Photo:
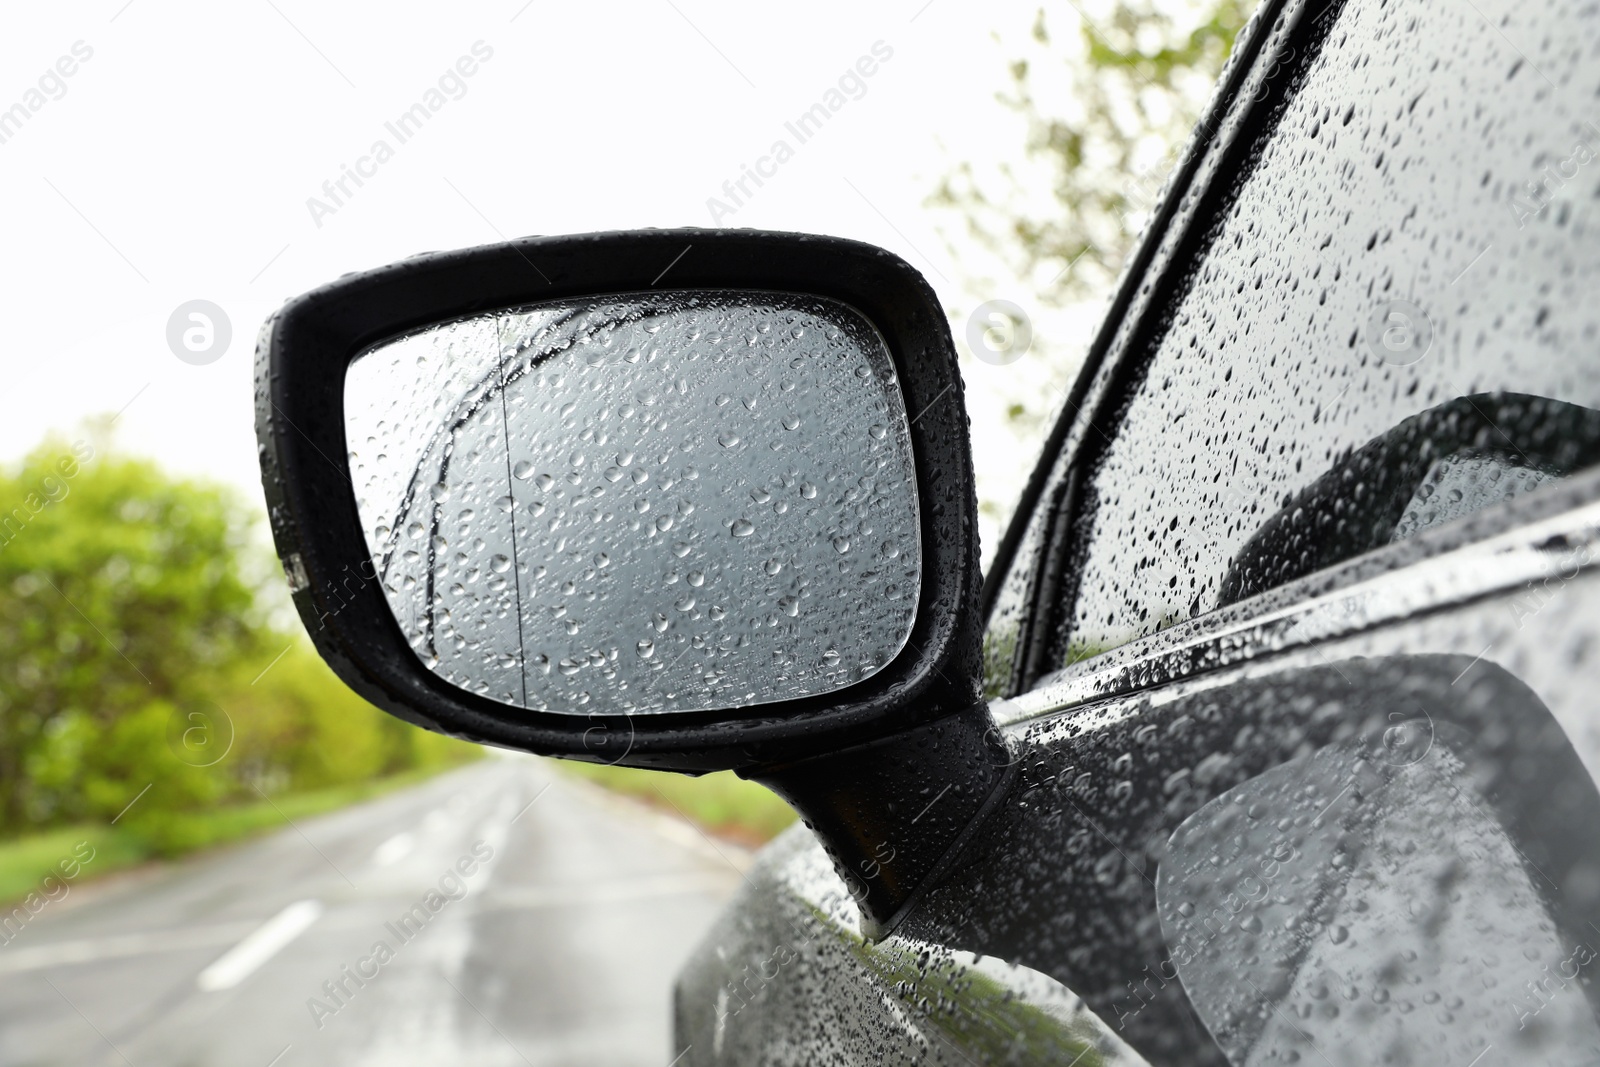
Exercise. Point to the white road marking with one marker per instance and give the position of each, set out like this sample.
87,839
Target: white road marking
394,850
259,946
119,946
530,803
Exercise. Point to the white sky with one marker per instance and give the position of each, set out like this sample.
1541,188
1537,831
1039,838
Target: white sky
178,163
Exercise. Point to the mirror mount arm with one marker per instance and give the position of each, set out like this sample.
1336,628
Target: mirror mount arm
895,814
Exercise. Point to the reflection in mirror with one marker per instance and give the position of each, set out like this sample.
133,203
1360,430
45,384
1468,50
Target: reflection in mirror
1366,904
653,502
1451,460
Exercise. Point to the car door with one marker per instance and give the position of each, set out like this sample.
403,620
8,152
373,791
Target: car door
1292,637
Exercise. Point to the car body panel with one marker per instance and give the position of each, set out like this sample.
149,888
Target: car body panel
785,978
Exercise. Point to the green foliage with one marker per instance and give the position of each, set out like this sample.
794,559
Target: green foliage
722,802
999,653
1108,105
174,833
141,665
299,727
27,861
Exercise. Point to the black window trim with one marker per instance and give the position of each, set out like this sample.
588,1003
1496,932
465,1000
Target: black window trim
1251,85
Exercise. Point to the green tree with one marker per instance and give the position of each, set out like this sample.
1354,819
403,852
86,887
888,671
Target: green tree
120,604
1109,101
140,660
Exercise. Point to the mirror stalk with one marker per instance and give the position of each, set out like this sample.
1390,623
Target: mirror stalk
895,814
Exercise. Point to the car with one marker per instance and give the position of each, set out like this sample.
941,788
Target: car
1270,736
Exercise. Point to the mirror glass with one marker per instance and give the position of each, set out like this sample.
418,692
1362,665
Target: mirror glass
652,502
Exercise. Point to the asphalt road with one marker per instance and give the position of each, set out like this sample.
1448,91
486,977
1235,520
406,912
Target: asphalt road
559,918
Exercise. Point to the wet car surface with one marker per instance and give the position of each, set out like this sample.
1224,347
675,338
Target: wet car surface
1292,640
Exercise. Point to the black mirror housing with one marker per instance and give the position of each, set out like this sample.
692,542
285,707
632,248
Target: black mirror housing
305,349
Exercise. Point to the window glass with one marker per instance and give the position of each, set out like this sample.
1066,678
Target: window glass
1390,323
1368,902
1009,612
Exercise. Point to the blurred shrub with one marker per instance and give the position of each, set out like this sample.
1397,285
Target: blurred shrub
142,659
722,802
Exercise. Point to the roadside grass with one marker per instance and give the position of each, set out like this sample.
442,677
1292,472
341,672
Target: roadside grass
26,861
722,803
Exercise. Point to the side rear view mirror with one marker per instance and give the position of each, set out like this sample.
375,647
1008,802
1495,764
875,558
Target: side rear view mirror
688,500
692,500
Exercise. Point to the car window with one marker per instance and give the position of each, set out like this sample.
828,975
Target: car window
1387,325
1365,854
1009,609
1369,899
